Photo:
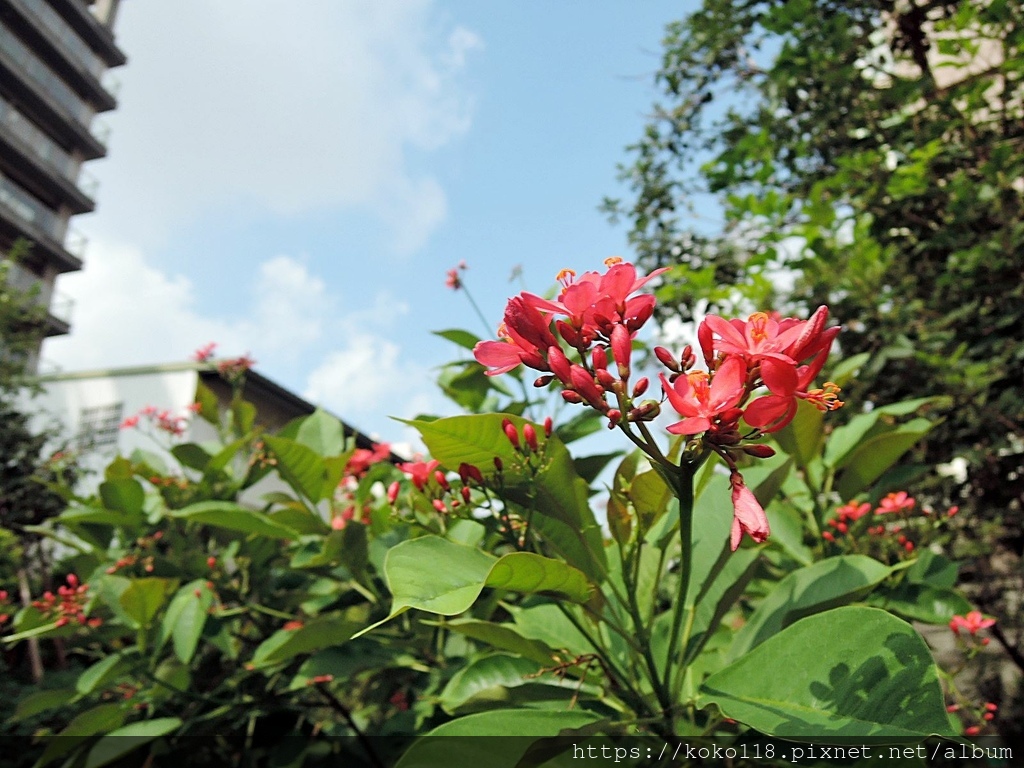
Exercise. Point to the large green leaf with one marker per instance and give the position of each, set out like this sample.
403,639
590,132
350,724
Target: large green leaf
321,632
128,738
846,438
558,494
496,671
234,517
99,719
42,701
124,495
191,455
440,576
300,466
849,673
920,602
323,433
526,725
103,672
144,598
826,584
873,456
186,617
503,637
802,436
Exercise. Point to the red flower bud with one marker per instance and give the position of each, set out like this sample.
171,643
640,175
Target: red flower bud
530,435
510,432
666,359
469,472
441,479
498,463
759,450
393,491
571,397
543,381
600,359
72,580
548,425
640,387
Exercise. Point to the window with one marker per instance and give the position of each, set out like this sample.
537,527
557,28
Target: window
98,427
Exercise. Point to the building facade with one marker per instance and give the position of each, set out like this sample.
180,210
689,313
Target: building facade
55,56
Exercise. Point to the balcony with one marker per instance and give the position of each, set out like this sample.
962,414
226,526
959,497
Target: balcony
22,216
58,305
42,95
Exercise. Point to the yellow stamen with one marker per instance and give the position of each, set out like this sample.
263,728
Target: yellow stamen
758,323
611,261
565,277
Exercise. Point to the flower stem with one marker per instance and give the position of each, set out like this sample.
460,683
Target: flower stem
684,492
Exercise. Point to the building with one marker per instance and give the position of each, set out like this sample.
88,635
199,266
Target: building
87,408
54,61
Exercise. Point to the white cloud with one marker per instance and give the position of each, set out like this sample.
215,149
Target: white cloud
311,106
128,312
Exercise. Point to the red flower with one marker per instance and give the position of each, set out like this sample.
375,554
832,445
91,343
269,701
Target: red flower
701,397
774,411
748,516
895,502
205,352
973,622
452,279
420,472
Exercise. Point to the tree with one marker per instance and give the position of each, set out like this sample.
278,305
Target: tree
24,468
868,155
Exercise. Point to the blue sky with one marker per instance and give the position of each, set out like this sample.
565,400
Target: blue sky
295,185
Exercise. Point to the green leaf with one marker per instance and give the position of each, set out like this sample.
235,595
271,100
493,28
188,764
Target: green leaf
233,517
503,637
300,466
191,455
933,570
323,433
42,701
124,495
826,584
802,436
128,738
143,599
416,582
848,673
104,718
873,456
321,632
496,671
100,516
920,602
846,438
209,407
186,617
524,725
559,495
243,414
464,339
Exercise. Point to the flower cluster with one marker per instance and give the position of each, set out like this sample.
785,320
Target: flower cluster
445,495
205,353
162,420
895,528
452,279
584,340
67,605
983,714
596,317
347,505
234,369
972,623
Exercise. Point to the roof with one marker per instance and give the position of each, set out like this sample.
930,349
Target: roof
275,403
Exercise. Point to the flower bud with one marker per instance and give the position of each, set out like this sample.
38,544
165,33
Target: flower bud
499,465
511,432
571,397
604,378
393,491
465,493
440,507
666,359
640,387
559,364
614,416
543,381
469,472
567,332
530,435
600,359
548,425
622,349
759,450
441,479
687,359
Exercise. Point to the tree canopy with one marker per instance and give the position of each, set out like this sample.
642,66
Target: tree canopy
868,155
